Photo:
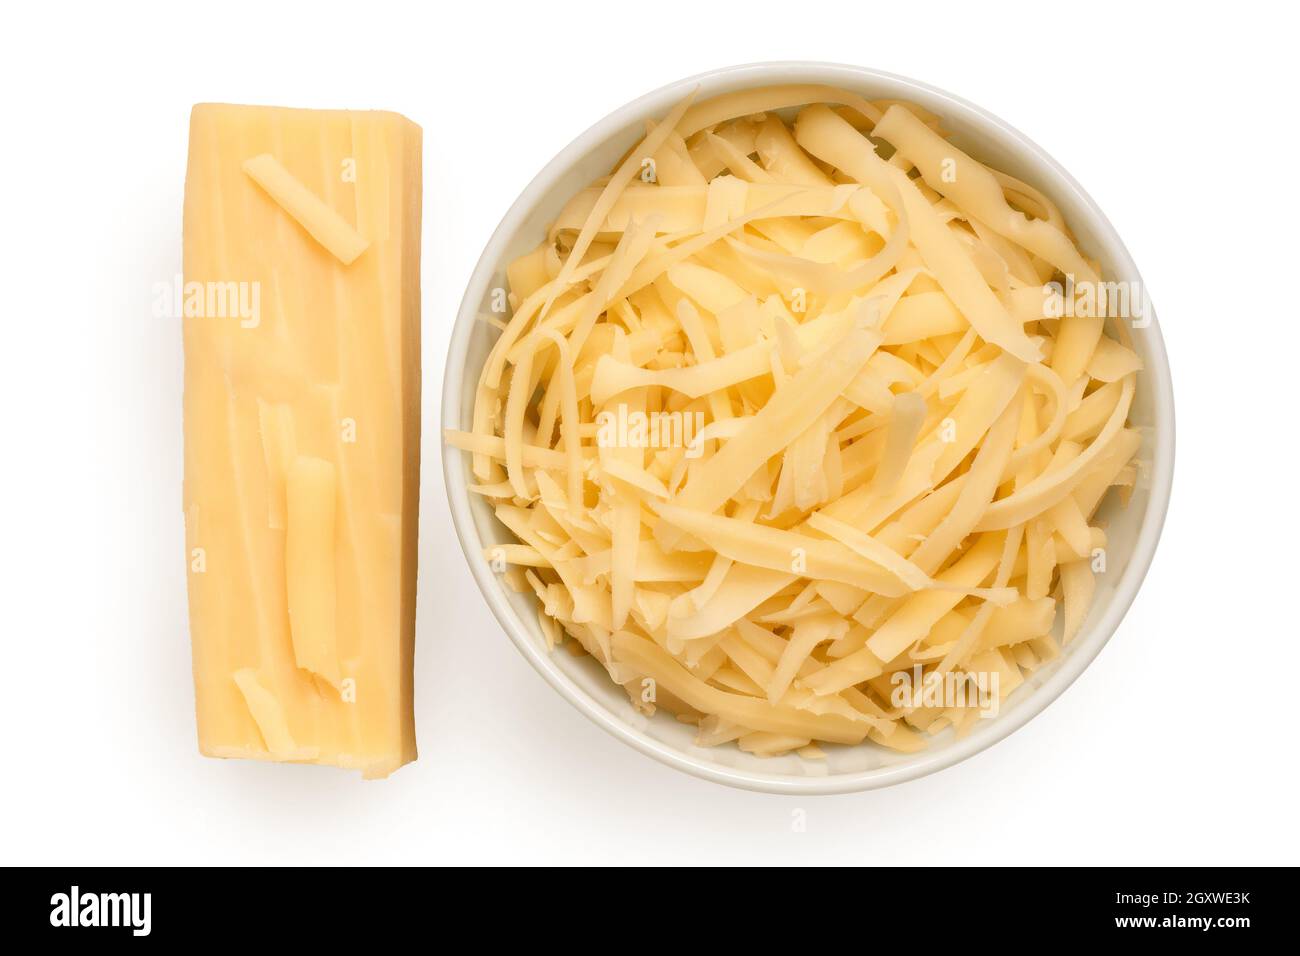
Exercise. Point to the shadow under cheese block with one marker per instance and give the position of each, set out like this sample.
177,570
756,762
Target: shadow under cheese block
302,432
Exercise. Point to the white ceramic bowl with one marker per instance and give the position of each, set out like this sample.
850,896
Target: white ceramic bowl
1133,530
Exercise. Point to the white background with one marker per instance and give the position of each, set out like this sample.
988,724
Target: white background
1178,744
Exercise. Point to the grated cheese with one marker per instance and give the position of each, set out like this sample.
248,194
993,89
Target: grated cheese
784,422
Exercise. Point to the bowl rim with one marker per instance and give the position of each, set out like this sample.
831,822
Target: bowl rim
1086,646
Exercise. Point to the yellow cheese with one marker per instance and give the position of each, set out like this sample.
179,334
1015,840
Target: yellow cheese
302,430
325,225
309,547
882,454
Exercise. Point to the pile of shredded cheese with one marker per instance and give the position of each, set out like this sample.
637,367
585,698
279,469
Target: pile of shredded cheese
779,412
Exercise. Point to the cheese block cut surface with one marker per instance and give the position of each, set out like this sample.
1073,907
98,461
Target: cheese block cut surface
302,432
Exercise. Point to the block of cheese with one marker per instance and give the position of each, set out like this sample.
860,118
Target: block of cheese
302,432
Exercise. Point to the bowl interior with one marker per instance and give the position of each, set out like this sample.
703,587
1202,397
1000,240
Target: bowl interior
1131,529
